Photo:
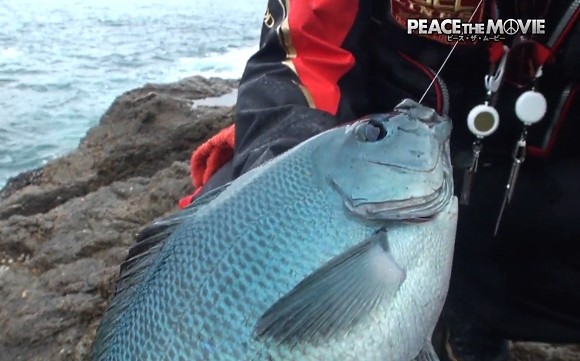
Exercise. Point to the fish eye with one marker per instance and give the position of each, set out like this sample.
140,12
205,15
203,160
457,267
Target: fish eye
371,131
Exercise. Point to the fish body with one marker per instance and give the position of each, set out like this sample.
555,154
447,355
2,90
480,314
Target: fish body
339,249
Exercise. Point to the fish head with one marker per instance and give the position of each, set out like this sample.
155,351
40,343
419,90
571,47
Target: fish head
393,166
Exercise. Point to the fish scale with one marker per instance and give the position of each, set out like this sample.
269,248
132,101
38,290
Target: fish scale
209,247
203,291
276,229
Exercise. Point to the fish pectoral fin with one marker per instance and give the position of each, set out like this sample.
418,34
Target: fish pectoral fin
337,296
141,255
427,353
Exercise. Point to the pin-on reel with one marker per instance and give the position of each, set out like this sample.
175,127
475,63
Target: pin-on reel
483,120
531,107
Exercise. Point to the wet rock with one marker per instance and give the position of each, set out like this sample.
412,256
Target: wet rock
143,131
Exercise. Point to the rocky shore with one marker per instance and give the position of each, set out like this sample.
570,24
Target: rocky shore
65,227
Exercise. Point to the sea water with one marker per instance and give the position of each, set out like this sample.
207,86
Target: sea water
63,62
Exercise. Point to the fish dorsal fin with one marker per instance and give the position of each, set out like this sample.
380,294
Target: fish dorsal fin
140,257
152,237
335,297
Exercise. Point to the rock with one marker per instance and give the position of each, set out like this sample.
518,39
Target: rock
56,284
142,132
65,227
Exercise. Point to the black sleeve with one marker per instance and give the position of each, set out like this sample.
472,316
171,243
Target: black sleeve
307,76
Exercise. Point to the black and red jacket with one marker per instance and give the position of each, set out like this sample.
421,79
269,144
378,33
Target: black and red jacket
325,62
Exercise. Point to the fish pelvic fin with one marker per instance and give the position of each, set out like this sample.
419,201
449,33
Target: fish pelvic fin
141,256
337,296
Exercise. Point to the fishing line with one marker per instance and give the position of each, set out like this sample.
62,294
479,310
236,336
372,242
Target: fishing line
448,55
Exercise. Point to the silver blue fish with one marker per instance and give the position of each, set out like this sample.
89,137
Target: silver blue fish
339,249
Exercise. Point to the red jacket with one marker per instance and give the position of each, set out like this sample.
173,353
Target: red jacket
325,62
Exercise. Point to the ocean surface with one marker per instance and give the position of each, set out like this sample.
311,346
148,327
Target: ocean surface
63,62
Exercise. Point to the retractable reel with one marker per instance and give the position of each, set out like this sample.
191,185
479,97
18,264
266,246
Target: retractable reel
483,121
530,108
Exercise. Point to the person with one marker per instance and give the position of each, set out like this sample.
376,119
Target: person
322,63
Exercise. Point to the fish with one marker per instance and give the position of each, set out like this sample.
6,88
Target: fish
338,249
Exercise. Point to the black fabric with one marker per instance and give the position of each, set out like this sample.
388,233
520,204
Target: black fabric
526,282
219,178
